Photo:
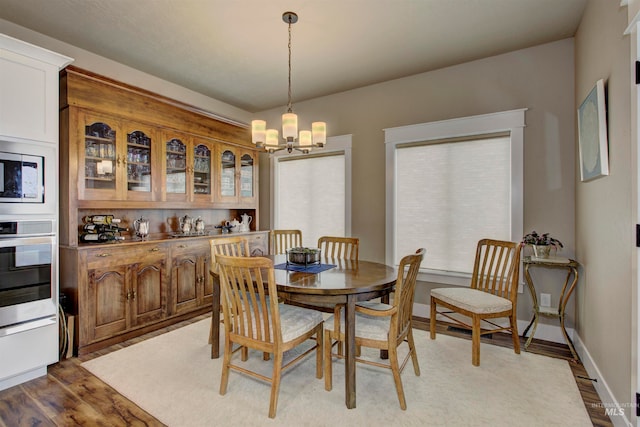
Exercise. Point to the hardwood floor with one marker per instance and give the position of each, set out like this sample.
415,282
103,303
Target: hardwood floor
70,396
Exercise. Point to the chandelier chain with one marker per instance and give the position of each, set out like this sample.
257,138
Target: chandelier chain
289,94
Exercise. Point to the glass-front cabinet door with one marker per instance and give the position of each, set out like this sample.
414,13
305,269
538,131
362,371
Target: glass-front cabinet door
140,162
226,164
247,178
202,182
99,158
176,168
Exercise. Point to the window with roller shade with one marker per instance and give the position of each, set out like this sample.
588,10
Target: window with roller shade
312,192
451,190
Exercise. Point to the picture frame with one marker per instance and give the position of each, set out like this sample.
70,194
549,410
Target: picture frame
592,134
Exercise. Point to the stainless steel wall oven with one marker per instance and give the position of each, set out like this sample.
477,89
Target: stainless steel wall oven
28,284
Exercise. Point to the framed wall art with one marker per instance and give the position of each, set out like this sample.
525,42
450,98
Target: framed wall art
592,134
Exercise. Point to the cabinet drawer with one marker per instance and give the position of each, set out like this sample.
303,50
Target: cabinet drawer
115,255
190,246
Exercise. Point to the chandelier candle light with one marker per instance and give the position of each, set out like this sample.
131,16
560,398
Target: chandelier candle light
306,140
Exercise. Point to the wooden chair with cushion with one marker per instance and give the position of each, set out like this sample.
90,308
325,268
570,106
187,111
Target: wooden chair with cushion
492,294
232,246
281,240
339,247
252,320
381,326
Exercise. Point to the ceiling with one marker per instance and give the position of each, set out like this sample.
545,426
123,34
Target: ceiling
236,50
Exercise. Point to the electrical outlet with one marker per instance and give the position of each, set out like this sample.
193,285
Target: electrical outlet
545,300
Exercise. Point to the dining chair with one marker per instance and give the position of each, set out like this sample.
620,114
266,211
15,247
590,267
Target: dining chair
493,294
251,320
281,240
381,326
232,246
339,247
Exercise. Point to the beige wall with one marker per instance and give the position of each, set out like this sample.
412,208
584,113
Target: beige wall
539,78
605,208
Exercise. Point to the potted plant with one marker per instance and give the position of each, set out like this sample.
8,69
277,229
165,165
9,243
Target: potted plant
542,243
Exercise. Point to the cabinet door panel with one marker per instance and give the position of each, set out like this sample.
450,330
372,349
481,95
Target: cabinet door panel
185,276
108,293
149,288
207,280
29,87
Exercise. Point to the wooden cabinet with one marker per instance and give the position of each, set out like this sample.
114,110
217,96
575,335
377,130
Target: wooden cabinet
29,88
125,289
191,282
117,159
132,153
237,177
187,169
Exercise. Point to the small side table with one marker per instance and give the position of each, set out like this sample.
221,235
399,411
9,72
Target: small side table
567,289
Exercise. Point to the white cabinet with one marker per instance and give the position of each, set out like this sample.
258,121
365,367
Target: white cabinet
29,91
29,82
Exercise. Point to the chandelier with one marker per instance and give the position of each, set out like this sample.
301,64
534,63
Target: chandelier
305,140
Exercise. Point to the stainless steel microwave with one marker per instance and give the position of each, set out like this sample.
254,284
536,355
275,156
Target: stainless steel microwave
28,175
21,178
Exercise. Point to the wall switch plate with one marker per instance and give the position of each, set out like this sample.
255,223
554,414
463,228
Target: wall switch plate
545,300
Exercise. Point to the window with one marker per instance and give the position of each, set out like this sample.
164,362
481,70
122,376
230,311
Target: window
450,184
311,192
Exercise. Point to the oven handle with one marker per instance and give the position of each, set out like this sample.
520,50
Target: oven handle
26,326
25,241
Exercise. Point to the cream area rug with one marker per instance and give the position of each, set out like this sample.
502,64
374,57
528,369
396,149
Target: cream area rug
173,378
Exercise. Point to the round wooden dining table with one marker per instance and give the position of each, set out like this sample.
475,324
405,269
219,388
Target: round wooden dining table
348,282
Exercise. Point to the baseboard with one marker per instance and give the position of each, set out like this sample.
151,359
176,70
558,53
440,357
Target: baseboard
618,414
23,377
546,332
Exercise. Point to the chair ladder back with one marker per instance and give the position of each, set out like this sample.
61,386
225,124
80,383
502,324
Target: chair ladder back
229,246
496,268
405,288
339,247
245,284
282,240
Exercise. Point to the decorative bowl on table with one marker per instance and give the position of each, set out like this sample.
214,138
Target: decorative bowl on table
303,256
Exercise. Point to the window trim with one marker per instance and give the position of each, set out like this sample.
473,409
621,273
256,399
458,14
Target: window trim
335,145
512,121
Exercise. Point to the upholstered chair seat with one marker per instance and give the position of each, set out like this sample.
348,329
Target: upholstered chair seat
472,300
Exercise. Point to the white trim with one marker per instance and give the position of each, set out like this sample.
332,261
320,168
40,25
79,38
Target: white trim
633,25
453,128
341,143
512,121
602,388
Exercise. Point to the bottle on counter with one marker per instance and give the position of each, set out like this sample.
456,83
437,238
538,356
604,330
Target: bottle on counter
102,228
99,237
101,219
